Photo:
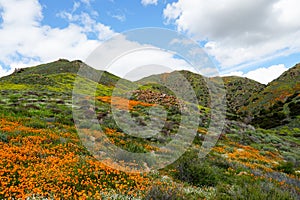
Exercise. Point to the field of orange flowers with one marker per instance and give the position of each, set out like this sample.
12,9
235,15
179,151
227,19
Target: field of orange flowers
249,156
122,103
49,160
53,164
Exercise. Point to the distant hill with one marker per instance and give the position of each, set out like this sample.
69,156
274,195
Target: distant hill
265,106
239,90
62,74
197,81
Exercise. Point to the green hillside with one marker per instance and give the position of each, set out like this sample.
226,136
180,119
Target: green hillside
239,92
278,103
61,66
157,82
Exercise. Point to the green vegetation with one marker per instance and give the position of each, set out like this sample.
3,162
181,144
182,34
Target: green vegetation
278,101
42,155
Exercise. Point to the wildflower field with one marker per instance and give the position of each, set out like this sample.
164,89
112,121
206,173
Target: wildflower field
42,155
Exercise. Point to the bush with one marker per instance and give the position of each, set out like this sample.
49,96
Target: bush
286,167
191,169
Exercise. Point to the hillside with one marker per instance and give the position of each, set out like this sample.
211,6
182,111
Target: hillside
62,66
52,143
239,91
278,103
159,83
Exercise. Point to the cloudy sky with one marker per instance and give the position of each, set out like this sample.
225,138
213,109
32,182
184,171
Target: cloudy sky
257,39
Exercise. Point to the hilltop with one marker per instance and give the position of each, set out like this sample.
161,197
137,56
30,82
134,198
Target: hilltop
45,155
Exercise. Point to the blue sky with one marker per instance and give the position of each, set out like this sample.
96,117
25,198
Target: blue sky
119,15
255,39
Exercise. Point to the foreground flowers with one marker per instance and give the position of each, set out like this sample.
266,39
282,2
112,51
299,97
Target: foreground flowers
46,163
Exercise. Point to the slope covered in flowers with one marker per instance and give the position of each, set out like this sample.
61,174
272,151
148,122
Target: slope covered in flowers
53,164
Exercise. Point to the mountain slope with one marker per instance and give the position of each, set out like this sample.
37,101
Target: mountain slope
161,81
62,66
46,90
278,102
239,91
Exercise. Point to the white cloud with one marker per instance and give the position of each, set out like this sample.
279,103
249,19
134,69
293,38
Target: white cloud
262,75
238,32
87,2
118,14
121,18
24,40
88,24
132,60
76,5
149,2
145,62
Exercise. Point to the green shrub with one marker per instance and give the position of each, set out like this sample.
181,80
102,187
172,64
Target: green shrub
286,167
191,169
